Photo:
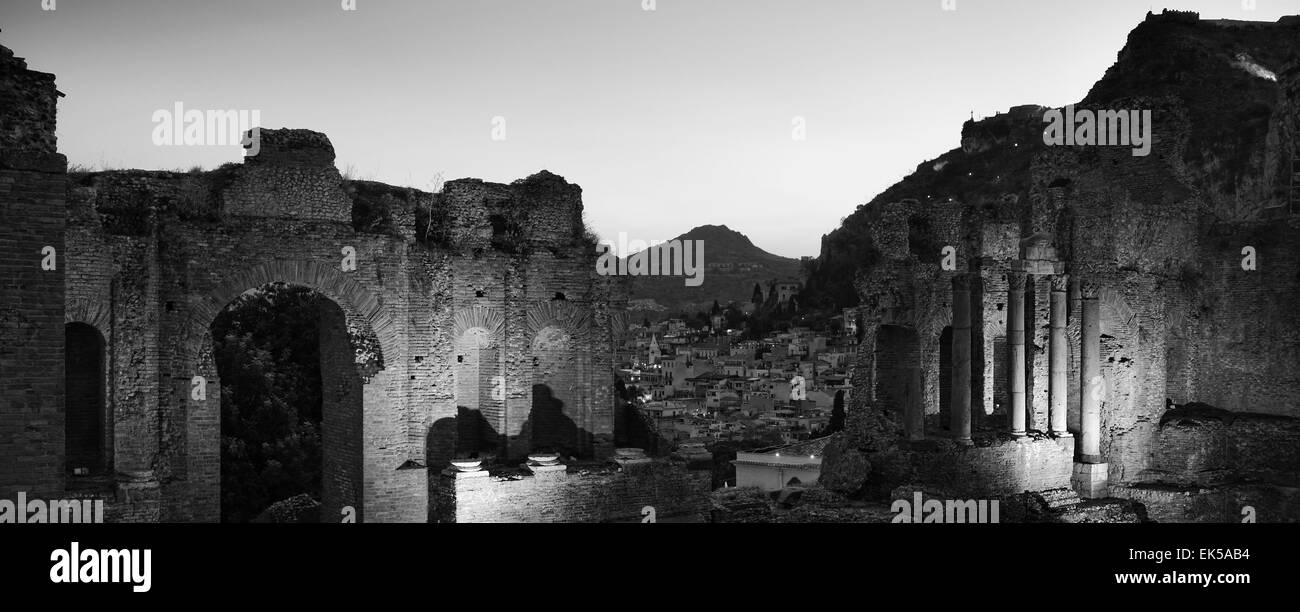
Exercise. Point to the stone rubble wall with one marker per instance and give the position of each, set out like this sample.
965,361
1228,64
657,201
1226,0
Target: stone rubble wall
580,494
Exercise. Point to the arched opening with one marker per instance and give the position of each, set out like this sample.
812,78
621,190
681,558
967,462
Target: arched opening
554,418
290,397
480,395
897,352
87,426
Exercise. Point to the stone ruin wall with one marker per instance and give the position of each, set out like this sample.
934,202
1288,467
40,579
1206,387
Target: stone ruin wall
152,257
1180,319
163,267
674,491
32,217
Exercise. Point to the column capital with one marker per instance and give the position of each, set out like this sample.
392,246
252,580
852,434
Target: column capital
1060,282
1089,289
1016,280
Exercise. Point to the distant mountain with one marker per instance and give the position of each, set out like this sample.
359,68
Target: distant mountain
732,265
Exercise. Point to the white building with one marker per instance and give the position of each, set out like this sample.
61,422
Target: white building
794,465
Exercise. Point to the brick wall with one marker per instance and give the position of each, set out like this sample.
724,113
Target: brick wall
32,217
1231,448
897,352
157,255
587,493
1004,468
341,417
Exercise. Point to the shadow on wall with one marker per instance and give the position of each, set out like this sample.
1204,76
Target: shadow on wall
548,429
633,428
469,434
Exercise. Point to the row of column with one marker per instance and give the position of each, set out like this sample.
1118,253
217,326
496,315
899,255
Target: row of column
1058,355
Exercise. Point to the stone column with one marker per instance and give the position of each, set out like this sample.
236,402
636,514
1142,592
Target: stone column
1016,350
1090,371
961,359
1091,476
1059,358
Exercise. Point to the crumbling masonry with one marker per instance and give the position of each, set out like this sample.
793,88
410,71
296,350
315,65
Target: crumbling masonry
1107,334
468,322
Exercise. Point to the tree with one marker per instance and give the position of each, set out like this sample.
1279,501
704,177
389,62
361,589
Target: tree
735,319
757,298
267,351
837,414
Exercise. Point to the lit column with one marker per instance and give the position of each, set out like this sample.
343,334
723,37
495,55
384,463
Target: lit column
1016,349
961,415
1058,357
1090,376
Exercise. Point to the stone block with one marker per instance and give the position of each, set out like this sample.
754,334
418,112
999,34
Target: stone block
1091,480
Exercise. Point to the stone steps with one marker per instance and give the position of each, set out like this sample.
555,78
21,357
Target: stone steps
1066,506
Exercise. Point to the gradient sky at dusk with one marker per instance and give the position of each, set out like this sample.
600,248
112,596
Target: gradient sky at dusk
668,119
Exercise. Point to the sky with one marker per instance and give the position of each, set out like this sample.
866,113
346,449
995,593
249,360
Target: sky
773,117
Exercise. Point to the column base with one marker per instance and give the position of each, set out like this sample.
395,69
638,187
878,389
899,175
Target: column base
1062,434
537,468
1019,434
1091,480
964,442
456,474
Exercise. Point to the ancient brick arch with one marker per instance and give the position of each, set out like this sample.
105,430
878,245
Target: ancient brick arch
88,424
96,316
1117,318
480,382
485,318
372,326
150,258
559,313
559,415
941,319
92,313
353,350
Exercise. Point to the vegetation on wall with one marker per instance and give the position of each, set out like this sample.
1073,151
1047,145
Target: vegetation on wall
267,351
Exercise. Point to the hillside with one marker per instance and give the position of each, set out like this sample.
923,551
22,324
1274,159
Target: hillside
733,264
